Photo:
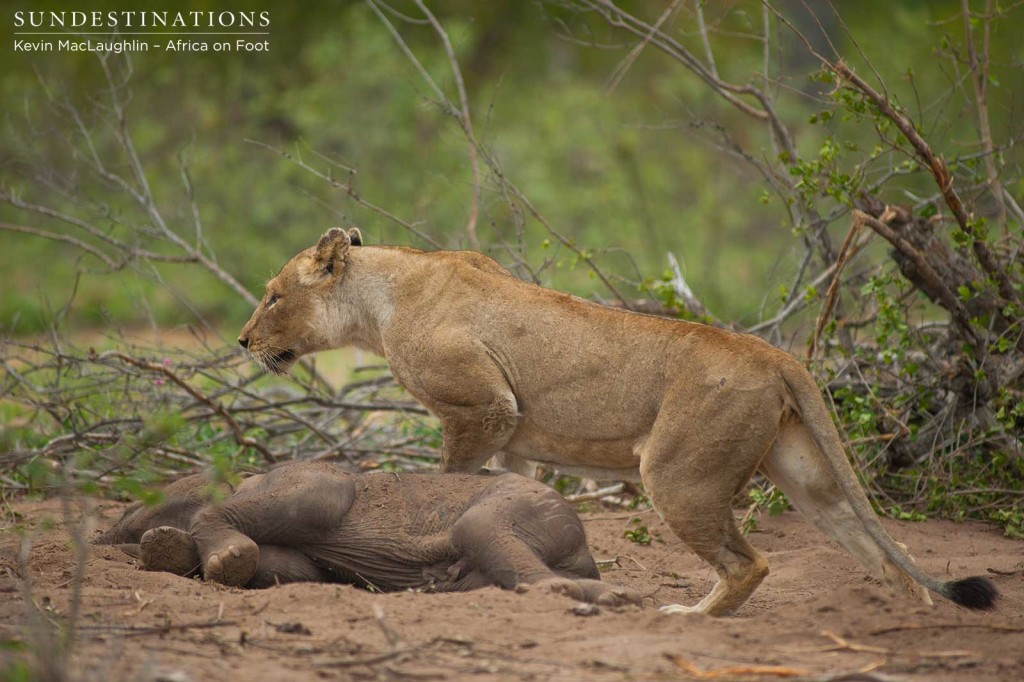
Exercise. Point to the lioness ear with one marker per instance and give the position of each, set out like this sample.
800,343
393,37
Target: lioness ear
332,249
355,236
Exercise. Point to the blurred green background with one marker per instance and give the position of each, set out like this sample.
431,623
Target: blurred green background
632,173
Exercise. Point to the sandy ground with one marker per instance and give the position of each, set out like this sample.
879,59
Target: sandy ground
816,617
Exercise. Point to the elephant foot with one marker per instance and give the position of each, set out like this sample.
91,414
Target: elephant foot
169,549
606,594
233,565
570,588
591,591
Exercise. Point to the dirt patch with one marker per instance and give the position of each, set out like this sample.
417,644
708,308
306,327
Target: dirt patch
816,613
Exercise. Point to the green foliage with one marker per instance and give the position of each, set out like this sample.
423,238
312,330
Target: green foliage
774,502
898,513
639,501
639,533
983,486
953,483
564,484
138,489
15,671
424,432
1010,410
823,176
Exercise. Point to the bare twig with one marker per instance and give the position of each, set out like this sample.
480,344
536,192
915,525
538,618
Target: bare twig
979,79
240,436
465,120
620,70
349,191
830,296
615,489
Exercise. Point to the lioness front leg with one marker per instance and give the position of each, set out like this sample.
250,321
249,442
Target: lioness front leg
460,380
472,434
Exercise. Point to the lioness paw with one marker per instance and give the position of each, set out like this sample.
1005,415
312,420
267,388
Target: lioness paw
678,608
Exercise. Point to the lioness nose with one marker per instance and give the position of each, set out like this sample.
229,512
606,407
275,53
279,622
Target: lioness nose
243,341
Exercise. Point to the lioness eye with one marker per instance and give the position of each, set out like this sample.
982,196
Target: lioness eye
272,300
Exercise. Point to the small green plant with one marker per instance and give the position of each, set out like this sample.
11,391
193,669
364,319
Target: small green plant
901,514
770,499
773,500
565,484
639,533
15,671
639,501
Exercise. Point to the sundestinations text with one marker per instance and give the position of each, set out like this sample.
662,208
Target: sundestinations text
141,19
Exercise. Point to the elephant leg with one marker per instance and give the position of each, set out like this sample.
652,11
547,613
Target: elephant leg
524,533
169,549
281,565
174,551
290,506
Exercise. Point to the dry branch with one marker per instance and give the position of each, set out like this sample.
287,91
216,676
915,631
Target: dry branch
940,172
979,79
845,253
214,399
932,283
240,436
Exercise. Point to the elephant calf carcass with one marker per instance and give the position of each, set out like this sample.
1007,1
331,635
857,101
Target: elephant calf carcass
312,521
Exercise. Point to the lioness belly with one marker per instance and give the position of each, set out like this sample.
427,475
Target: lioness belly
601,459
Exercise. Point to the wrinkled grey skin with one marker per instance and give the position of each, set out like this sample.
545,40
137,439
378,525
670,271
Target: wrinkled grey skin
311,521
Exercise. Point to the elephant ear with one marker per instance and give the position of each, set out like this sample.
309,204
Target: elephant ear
332,249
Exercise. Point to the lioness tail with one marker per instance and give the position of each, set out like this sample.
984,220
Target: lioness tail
973,593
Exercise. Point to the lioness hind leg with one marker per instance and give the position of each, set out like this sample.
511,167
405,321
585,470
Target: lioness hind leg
692,491
798,468
713,536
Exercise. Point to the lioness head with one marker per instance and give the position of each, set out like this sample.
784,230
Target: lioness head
292,319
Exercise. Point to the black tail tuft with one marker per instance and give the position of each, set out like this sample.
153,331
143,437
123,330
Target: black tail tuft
973,593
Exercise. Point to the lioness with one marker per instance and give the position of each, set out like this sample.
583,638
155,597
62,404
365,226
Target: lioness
512,368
